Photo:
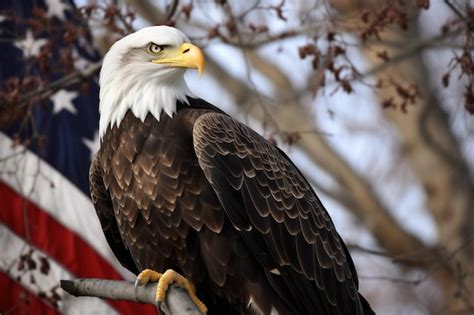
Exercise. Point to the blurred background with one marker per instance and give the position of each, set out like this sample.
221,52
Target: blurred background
372,99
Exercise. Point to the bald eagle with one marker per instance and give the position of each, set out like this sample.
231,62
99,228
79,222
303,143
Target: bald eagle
180,186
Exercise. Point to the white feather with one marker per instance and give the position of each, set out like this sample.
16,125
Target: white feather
129,81
275,271
252,305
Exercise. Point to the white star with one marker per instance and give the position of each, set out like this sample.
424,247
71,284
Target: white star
56,8
62,99
29,45
93,144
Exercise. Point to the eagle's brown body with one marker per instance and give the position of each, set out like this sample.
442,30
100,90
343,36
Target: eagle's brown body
208,197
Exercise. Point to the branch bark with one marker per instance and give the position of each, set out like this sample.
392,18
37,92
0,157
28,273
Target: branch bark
177,299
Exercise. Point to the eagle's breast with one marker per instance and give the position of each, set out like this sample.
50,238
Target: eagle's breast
159,194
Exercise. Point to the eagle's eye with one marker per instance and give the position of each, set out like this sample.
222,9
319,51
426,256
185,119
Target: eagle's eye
154,48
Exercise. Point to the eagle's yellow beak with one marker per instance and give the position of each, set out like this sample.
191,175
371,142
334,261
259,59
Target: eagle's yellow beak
187,56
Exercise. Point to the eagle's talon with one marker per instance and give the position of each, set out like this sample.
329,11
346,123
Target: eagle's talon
158,307
164,281
147,276
137,284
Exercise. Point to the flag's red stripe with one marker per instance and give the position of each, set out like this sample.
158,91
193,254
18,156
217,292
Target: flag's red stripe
67,248
16,300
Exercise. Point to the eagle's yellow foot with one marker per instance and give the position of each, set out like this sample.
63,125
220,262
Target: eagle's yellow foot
164,281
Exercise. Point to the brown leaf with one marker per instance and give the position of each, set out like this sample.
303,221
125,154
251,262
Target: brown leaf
445,79
423,4
187,9
383,55
346,86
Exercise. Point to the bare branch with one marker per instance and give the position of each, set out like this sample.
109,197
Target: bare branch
172,10
418,47
252,42
459,14
177,299
45,91
151,13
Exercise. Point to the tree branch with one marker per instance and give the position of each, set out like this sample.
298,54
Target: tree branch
172,10
406,53
12,112
73,78
151,13
177,299
459,14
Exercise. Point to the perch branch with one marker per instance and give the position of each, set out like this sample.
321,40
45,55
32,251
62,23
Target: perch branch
177,299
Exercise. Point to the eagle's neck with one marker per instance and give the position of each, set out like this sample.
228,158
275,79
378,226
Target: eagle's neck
141,95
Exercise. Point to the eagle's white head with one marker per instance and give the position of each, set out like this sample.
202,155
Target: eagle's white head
144,72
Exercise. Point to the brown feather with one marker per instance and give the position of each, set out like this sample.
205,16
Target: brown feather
299,232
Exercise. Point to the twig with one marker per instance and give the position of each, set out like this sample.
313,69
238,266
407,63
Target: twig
252,44
410,51
413,282
66,81
171,10
424,256
459,14
177,299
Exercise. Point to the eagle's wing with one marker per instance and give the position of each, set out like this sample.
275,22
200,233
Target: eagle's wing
105,211
280,217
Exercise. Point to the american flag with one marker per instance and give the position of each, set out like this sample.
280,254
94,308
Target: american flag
48,226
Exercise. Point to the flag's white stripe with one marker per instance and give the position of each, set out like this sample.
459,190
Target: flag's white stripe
13,247
32,177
